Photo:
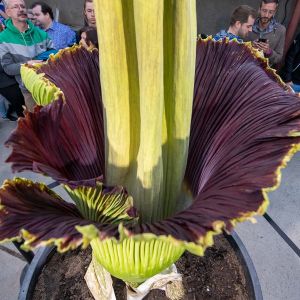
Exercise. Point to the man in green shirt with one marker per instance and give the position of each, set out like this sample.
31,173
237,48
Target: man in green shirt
20,42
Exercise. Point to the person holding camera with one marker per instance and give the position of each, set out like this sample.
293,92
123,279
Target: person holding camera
267,34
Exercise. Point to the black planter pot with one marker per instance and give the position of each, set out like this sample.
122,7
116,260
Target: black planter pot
32,271
248,266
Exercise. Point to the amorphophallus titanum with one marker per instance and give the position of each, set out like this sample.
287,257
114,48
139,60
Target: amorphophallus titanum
193,152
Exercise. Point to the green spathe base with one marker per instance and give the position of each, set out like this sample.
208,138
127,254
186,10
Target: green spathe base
135,261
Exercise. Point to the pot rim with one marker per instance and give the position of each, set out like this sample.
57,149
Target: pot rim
248,265
32,271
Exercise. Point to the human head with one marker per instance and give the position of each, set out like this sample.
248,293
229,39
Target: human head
82,34
89,13
92,38
89,37
43,14
267,10
16,10
30,15
242,20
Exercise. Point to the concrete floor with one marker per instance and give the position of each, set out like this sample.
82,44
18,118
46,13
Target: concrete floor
277,266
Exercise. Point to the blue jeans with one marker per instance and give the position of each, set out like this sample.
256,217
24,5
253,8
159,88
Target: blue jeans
2,106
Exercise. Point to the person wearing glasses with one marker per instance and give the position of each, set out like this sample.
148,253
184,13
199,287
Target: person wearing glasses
21,42
267,34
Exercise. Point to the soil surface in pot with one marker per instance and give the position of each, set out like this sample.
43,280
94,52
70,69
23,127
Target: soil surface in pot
217,275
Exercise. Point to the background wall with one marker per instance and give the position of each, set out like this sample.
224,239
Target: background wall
213,15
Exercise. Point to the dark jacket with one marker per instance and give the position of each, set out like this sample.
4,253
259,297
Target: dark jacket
6,80
292,63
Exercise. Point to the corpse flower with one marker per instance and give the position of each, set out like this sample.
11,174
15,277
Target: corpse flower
183,140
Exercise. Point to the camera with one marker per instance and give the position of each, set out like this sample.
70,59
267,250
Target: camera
262,40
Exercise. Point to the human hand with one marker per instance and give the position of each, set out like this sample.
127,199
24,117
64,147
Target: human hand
255,44
289,85
264,47
34,61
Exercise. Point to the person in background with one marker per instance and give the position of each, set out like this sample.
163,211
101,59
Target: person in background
89,13
30,15
267,34
2,106
61,35
89,37
20,42
291,70
3,15
241,21
89,18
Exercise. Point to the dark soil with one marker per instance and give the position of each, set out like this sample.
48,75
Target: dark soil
218,275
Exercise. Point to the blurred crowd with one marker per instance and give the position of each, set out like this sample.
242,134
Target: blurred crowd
260,27
30,34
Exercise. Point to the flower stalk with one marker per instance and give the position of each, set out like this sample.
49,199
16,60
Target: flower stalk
147,67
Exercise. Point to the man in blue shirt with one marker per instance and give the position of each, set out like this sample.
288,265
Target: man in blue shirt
241,22
61,35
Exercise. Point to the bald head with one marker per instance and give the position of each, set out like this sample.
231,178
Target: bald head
9,3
